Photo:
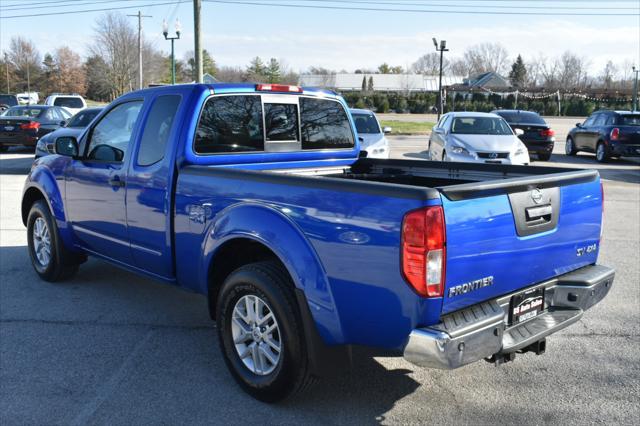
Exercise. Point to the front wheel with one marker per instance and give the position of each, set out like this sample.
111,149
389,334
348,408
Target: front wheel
260,332
48,255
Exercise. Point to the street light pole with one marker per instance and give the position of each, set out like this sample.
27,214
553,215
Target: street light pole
442,47
139,15
197,5
165,32
635,88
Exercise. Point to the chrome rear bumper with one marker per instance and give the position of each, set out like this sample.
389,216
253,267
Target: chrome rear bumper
482,330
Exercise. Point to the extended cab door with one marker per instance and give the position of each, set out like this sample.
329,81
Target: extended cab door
96,183
149,188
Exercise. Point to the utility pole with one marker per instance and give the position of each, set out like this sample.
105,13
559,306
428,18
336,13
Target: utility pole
139,15
441,48
197,52
635,88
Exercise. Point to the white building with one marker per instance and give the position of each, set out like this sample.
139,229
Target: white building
381,82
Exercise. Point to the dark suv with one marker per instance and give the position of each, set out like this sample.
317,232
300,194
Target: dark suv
536,134
608,134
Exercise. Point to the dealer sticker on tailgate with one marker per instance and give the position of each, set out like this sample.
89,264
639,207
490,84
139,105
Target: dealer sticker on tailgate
526,305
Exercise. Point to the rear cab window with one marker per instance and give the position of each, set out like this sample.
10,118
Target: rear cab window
255,123
68,102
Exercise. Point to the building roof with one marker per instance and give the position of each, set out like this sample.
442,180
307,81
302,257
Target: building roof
487,80
381,82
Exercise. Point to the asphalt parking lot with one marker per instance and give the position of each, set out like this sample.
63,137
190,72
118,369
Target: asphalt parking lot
110,347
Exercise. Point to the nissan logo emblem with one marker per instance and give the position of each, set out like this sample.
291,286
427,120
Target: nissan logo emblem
536,196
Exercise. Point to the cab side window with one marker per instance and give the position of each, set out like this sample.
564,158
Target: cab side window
110,138
157,129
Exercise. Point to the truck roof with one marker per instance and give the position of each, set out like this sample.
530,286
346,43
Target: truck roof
239,88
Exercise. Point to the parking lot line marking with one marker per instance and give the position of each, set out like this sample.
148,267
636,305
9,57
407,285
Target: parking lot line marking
109,387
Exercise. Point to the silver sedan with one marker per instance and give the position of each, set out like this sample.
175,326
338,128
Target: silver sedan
476,137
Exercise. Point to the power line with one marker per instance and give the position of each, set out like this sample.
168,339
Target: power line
107,9
55,4
380,9
430,4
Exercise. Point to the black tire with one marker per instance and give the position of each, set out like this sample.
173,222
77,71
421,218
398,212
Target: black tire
602,153
270,282
62,264
570,147
544,156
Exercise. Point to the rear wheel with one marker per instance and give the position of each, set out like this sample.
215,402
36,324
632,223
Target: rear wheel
51,260
602,156
544,156
570,148
260,332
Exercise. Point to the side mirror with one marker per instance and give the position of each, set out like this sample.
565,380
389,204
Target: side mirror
578,125
519,132
438,130
386,129
360,139
63,123
67,145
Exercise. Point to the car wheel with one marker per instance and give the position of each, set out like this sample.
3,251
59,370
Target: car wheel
260,332
544,156
602,156
49,257
570,148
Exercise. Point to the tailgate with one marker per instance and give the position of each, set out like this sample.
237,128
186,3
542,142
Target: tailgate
506,235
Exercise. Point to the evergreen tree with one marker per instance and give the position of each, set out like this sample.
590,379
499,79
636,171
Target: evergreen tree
370,86
518,73
273,71
256,70
364,83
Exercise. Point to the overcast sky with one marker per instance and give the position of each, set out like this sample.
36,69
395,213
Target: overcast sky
349,39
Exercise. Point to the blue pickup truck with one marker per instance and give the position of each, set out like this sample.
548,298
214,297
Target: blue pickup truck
257,197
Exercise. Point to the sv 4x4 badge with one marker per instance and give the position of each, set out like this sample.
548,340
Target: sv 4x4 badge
581,251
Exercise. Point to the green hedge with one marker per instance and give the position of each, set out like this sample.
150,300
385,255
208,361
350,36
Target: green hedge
420,103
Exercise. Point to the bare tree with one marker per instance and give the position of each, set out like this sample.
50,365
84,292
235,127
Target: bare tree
571,71
609,75
116,43
487,57
429,64
460,67
25,59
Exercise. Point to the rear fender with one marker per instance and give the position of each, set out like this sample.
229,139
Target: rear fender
282,236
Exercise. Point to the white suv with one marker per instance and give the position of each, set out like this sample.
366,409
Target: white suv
73,103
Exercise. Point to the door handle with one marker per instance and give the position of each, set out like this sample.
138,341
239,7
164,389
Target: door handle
116,181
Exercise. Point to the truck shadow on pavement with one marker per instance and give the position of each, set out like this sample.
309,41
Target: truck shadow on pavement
11,164
109,346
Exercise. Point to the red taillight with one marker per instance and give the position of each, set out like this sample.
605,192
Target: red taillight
278,88
547,133
32,125
615,134
423,251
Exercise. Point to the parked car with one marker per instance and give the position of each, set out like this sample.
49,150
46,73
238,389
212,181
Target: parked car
537,135
608,134
28,98
26,124
7,101
74,103
372,139
476,137
74,127
255,196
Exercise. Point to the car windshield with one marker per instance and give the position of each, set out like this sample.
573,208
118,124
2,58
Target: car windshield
480,126
82,119
527,117
366,123
23,112
68,102
8,100
629,120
